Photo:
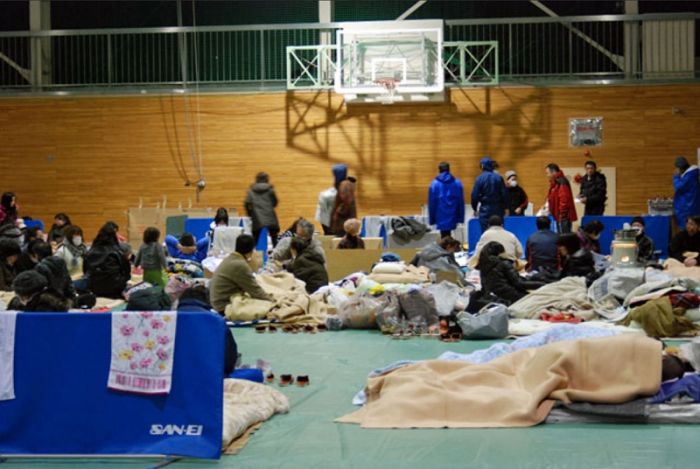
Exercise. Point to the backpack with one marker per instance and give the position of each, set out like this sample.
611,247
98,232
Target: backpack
406,229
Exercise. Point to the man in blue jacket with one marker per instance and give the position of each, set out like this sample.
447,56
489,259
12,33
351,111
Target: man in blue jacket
488,194
445,201
686,200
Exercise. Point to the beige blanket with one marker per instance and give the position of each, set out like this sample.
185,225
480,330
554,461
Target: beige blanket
678,270
412,274
568,294
516,390
291,302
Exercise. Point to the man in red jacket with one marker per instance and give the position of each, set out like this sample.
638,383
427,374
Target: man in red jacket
560,199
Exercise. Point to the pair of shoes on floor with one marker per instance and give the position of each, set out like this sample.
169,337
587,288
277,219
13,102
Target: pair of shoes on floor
306,328
288,380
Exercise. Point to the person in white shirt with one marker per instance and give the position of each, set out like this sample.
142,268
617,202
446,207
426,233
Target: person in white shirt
72,250
496,232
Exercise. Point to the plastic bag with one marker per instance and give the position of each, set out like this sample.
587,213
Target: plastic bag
177,284
491,322
418,305
389,317
360,312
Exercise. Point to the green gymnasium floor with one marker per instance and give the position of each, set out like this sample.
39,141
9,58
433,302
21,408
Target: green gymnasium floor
337,364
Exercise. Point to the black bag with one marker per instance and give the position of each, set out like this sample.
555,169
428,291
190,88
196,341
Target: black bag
407,229
149,299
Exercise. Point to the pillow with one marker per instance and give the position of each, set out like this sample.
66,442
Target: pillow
389,268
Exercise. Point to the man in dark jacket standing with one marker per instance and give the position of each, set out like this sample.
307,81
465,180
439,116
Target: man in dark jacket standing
560,199
488,194
445,201
260,204
594,190
516,197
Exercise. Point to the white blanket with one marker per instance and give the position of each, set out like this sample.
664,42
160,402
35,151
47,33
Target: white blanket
247,403
143,345
8,321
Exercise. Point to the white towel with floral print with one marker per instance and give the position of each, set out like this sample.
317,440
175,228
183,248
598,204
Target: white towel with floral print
143,345
8,321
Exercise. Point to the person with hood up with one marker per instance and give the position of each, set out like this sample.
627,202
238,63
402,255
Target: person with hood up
440,256
9,253
488,194
326,198
34,295
499,277
445,201
344,207
307,265
516,197
560,199
260,204
686,199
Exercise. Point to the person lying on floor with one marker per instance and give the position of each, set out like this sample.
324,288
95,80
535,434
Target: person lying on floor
440,256
499,278
575,261
196,299
307,265
234,275
186,247
352,239
106,266
9,253
282,254
34,295
685,246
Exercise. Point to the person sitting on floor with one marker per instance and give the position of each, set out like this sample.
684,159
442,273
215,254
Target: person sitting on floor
73,249
541,248
685,246
30,234
106,267
54,269
27,260
196,299
151,257
589,235
187,247
499,278
234,276
34,295
282,254
575,261
9,253
220,219
56,234
496,232
8,209
352,239
307,265
440,256
645,245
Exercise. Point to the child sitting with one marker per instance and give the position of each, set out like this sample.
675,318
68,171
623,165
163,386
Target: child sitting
351,240
151,257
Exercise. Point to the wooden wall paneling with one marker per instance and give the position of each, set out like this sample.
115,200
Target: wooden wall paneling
93,157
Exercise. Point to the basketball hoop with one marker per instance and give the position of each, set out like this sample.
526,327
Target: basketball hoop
389,84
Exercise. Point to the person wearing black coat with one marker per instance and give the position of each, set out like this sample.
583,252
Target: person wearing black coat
687,242
9,253
34,295
54,269
307,265
106,266
576,261
499,277
197,299
594,190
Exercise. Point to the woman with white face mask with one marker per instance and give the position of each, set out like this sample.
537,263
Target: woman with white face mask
72,250
516,198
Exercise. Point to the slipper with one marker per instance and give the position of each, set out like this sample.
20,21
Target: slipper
260,329
286,380
303,380
270,378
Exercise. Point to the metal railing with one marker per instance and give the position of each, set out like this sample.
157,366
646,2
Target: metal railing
533,50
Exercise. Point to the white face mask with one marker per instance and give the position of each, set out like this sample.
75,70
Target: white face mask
77,240
513,183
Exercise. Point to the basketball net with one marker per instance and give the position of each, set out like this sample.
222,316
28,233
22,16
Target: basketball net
389,84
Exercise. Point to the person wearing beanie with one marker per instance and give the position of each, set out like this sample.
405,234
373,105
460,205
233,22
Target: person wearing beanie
488,194
34,295
445,201
645,245
235,277
686,198
516,198
326,198
9,253
594,190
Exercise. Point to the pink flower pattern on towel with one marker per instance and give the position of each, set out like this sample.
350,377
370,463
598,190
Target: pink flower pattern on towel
143,347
